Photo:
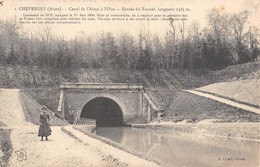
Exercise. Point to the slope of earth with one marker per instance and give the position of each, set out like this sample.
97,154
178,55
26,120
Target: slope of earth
236,72
35,77
247,91
161,85
32,111
48,97
193,108
16,76
5,147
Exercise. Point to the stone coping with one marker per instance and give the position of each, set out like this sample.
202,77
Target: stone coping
101,86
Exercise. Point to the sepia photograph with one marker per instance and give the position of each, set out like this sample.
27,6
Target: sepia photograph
129,83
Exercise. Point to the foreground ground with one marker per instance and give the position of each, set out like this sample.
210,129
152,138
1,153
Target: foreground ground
20,145
60,150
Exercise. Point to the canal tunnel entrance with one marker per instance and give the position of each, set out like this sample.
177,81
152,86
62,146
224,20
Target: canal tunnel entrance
105,111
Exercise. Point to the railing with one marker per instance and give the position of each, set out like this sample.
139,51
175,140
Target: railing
61,101
83,121
151,102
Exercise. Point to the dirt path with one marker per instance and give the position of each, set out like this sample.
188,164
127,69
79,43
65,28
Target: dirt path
229,102
60,150
11,109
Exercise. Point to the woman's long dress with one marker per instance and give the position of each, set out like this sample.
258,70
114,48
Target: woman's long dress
44,129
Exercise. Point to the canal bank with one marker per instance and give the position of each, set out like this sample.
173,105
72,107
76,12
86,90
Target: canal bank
165,146
236,131
109,148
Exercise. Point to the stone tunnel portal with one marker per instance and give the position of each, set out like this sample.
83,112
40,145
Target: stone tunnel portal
105,111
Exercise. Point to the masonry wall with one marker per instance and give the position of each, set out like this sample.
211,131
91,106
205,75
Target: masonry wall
76,99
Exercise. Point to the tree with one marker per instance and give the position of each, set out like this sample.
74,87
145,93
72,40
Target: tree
217,54
173,54
12,58
158,50
182,44
144,51
195,58
238,23
126,51
2,52
252,38
109,52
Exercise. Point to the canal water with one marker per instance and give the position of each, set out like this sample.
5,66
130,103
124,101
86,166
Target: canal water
178,149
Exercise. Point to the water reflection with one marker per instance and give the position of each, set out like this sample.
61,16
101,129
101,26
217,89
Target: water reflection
185,150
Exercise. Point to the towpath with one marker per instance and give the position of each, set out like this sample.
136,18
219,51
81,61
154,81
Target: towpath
61,149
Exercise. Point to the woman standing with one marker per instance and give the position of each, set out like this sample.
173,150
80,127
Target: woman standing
44,129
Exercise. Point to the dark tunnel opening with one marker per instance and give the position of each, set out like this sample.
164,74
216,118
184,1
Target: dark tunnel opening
105,111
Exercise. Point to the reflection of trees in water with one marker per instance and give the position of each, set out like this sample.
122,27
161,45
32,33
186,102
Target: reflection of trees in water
180,149
154,145
140,140
114,134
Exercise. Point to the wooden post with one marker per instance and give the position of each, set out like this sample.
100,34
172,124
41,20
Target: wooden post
143,108
159,116
149,113
61,104
141,105
160,113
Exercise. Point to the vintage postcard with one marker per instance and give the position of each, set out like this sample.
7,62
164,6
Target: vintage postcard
138,83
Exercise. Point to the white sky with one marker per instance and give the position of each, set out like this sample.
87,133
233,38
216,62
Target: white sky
198,13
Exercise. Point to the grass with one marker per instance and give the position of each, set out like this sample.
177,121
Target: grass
162,86
5,147
193,108
32,111
236,72
46,96
229,98
243,91
179,106
161,97
36,77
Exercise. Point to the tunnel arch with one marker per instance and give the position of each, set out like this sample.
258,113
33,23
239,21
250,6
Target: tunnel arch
106,111
117,100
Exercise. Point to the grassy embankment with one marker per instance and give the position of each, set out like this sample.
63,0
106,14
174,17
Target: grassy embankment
163,86
5,147
35,77
244,91
32,111
193,108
